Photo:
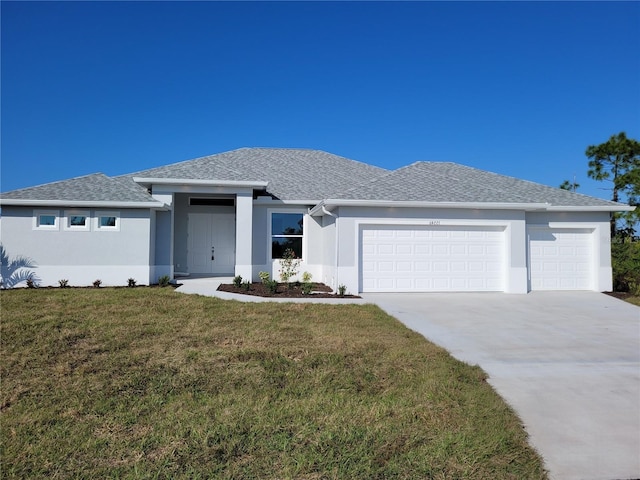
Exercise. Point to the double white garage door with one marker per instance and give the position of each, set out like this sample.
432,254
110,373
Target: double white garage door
411,258
432,259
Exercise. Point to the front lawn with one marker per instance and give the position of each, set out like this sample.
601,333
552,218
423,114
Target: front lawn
150,383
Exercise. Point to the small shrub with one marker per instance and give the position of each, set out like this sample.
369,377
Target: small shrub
97,283
264,276
64,283
131,282
625,262
272,286
164,281
307,286
31,282
246,285
237,280
342,290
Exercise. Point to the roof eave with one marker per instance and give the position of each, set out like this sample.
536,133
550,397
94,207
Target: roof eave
330,204
210,183
591,208
79,203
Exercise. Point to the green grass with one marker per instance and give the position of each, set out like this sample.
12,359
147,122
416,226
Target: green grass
150,383
635,299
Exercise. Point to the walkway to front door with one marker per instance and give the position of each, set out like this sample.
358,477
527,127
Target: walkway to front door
211,243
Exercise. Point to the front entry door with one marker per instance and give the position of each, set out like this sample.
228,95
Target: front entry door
211,243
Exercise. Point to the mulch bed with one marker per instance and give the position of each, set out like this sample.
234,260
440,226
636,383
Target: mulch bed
320,290
620,295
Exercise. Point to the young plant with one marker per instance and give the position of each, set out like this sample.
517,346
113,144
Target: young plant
289,265
164,281
272,286
131,282
97,283
237,281
307,286
64,283
246,285
264,276
342,290
32,282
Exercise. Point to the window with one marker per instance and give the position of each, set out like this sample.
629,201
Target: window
212,202
46,219
106,221
76,220
286,232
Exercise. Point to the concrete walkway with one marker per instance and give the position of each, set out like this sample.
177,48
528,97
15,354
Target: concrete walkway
567,362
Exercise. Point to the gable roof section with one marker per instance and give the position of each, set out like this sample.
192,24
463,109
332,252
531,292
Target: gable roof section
292,174
90,190
445,182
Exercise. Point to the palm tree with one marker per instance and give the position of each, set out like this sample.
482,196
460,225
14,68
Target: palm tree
15,271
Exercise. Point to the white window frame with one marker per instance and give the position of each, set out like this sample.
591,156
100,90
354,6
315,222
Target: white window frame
270,213
77,213
106,228
41,213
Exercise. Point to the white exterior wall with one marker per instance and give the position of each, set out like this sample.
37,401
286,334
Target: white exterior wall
82,256
313,244
352,219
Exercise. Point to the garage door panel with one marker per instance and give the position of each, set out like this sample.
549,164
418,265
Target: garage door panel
560,259
432,258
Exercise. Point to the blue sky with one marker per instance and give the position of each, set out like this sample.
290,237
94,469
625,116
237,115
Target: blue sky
517,88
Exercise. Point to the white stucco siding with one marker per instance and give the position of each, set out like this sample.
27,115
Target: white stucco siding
569,251
81,256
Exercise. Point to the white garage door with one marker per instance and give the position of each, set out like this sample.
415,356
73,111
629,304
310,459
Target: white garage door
432,259
560,259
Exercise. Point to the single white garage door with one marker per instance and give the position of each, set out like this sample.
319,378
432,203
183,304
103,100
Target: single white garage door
431,258
560,259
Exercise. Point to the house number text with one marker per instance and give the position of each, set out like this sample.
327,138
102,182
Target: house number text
434,222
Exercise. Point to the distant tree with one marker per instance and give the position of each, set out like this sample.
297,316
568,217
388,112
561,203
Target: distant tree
571,186
618,161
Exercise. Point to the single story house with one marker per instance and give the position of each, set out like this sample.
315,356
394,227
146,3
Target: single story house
426,227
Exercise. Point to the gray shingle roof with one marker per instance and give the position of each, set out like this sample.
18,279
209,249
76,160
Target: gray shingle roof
293,174
96,187
313,175
451,182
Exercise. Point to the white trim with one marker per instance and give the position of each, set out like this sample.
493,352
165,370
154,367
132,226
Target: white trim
264,200
80,203
188,181
36,220
77,213
332,203
106,213
594,208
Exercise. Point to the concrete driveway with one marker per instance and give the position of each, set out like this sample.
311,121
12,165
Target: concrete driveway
567,362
